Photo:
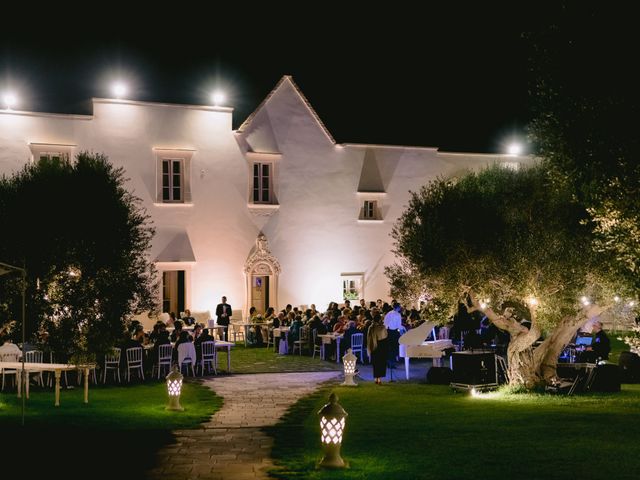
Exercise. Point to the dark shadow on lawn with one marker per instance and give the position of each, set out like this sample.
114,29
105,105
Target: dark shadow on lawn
79,453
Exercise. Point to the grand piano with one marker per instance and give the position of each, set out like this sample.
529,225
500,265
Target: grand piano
413,345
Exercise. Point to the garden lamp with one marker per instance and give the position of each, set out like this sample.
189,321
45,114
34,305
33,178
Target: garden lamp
174,388
332,422
349,362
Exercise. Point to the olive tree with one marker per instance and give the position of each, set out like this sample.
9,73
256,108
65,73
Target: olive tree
502,241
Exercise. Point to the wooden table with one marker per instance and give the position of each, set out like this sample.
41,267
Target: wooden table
56,368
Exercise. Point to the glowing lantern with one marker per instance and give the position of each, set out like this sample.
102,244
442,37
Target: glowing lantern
332,422
174,388
349,362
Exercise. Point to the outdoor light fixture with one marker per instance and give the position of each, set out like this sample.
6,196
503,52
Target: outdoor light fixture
616,299
174,388
9,99
514,148
532,301
332,422
585,301
349,362
119,89
217,98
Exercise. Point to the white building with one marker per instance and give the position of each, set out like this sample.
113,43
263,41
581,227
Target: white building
326,210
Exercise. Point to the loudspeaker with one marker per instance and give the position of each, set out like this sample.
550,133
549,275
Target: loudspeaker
629,367
439,376
474,368
606,378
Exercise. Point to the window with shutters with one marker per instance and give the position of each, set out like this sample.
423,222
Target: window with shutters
173,176
370,210
262,181
51,152
172,180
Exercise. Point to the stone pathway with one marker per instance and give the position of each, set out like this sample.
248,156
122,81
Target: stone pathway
231,445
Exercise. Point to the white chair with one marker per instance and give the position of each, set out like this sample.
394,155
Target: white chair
35,356
316,347
270,337
134,362
165,354
357,341
238,332
209,356
187,356
303,341
112,362
9,357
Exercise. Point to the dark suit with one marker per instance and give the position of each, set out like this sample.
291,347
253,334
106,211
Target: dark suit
223,308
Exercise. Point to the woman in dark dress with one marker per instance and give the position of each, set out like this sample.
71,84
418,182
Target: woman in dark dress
377,348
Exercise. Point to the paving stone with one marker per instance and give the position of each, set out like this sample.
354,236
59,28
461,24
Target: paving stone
231,445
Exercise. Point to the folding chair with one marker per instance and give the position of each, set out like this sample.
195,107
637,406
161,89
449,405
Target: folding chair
134,362
357,341
165,354
187,356
317,347
35,356
112,362
9,357
303,341
209,357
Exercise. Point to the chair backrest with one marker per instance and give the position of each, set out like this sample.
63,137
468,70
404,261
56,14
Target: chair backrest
357,340
33,356
113,357
134,355
165,353
186,351
9,357
304,333
208,349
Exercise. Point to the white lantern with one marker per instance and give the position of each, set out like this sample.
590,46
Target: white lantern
332,423
174,389
349,361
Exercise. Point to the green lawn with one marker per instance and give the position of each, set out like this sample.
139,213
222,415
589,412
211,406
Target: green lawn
421,431
265,360
115,435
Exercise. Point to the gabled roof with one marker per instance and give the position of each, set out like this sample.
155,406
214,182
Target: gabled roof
178,250
283,80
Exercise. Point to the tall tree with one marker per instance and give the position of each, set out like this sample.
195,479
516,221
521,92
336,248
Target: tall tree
502,241
84,241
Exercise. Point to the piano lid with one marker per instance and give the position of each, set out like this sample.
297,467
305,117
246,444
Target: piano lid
417,335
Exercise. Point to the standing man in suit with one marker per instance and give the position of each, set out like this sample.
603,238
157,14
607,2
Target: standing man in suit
223,312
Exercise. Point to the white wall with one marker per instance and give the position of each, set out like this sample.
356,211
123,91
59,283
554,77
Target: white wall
315,234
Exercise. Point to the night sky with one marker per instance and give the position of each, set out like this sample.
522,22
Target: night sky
455,77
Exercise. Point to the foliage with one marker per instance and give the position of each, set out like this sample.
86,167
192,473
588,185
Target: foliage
83,239
585,133
507,235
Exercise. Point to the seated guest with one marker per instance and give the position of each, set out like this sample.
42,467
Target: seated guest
175,335
340,325
153,336
172,320
601,345
187,319
346,338
200,339
184,338
197,331
294,331
9,348
138,335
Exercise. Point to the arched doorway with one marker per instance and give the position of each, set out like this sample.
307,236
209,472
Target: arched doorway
261,272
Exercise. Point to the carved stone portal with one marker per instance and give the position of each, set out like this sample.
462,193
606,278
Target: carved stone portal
262,263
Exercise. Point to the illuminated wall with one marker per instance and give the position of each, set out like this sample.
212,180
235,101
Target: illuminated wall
314,232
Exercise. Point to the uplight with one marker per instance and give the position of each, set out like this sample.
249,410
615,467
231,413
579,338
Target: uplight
218,98
9,99
119,89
